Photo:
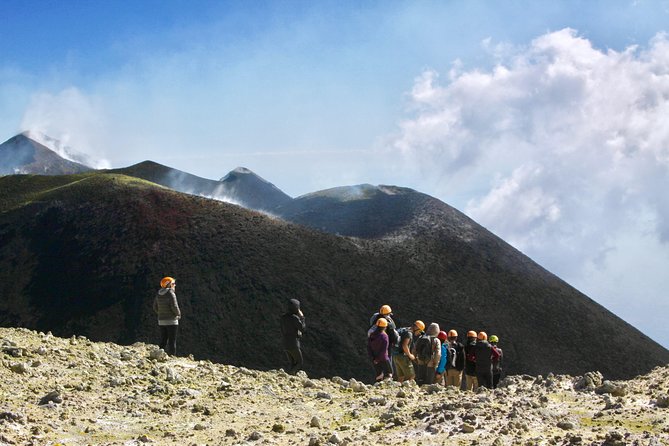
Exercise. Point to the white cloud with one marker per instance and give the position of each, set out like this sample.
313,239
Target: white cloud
75,120
561,147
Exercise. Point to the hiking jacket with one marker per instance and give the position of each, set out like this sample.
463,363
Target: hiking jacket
497,359
292,325
166,307
483,352
377,346
441,367
470,357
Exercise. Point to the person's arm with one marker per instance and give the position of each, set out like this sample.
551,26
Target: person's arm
405,349
436,351
174,305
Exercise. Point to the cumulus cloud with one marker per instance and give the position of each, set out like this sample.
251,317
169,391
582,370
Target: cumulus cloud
70,122
561,146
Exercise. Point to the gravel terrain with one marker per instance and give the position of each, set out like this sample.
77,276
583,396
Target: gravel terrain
58,391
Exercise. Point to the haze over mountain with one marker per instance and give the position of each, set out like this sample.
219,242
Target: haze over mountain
23,154
83,254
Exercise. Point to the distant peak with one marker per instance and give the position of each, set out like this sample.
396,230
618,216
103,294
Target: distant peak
242,170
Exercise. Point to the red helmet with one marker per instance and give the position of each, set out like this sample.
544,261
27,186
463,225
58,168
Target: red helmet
442,336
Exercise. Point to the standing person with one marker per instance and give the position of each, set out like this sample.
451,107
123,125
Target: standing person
440,377
483,352
387,313
377,348
403,358
292,326
428,354
470,361
165,305
456,363
496,361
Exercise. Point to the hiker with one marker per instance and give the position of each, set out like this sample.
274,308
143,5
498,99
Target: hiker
377,348
292,326
428,354
456,362
470,361
165,305
402,357
484,354
387,313
496,361
441,367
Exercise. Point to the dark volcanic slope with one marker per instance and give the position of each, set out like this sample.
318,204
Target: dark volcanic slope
240,186
23,155
253,191
84,254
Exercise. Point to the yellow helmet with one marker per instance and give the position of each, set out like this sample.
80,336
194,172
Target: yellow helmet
385,310
494,339
166,281
381,322
419,325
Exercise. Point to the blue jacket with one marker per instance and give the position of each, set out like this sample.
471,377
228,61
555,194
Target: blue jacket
444,358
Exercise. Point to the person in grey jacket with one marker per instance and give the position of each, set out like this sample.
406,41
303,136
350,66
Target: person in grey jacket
167,308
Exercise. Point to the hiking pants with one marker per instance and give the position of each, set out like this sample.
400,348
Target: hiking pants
168,338
484,379
404,369
425,374
295,359
496,375
382,370
471,383
453,377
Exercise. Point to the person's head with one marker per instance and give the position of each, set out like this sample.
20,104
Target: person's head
293,306
418,326
433,329
452,335
385,310
483,336
167,282
471,334
493,339
442,336
381,323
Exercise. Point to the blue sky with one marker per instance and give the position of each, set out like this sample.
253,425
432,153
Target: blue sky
541,120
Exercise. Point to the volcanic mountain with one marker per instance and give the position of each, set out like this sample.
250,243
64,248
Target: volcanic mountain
240,186
83,254
23,155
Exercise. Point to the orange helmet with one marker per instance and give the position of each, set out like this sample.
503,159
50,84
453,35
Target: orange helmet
471,334
483,336
452,334
166,281
419,325
385,310
381,322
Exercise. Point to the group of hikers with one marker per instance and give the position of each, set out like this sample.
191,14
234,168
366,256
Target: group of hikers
427,356
431,355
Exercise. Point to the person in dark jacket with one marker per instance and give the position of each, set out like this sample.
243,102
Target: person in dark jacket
470,362
292,326
165,305
454,374
484,354
377,348
496,361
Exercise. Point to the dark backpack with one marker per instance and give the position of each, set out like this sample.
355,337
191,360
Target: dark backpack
424,348
396,349
452,354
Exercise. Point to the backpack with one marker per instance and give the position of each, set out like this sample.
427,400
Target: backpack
396,348
424,348
452,354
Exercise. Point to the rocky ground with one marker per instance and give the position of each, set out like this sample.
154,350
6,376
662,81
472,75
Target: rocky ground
76,392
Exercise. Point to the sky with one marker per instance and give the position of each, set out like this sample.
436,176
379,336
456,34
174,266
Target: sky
544,121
